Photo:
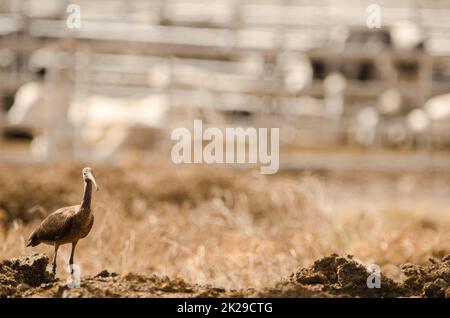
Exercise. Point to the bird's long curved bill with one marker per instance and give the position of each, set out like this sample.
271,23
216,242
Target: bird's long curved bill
91,177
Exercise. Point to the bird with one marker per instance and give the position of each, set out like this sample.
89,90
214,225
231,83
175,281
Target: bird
68,224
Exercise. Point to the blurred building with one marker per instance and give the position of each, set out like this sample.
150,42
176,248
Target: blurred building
135,69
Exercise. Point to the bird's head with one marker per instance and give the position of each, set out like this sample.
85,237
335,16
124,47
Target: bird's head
87,175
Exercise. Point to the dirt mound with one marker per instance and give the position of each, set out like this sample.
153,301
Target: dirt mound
19,275
28,277
331,276
344,276
107,284
432,280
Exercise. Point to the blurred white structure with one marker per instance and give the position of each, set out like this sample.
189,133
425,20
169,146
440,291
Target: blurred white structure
406,35
418,121
364,126
296,71
101,124
312,66
28,109
389,102
438,107
334,86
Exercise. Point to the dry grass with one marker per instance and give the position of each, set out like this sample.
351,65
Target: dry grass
230,228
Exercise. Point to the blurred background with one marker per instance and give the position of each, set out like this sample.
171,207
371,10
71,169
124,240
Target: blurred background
364,118
343,95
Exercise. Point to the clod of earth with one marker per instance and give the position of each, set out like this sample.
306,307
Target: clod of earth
331,276
344,276
432,280
19,275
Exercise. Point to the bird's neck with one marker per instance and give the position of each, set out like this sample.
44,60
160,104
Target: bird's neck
87,195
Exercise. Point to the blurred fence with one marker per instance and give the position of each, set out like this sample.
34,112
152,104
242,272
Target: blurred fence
312,68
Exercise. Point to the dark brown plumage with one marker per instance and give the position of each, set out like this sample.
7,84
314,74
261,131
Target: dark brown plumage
69,224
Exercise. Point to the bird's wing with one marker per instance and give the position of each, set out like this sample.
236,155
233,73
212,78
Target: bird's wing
54,226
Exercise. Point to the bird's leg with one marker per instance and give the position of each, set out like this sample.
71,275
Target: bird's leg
54,259
74,244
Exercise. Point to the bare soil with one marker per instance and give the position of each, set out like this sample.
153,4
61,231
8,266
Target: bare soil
331,276
199,231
